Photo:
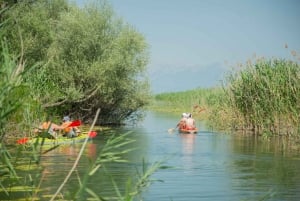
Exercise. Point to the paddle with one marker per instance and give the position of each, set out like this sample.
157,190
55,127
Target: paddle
92,134
75,123
171,130
22,140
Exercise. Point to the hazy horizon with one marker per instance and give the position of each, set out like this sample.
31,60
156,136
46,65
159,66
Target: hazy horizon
204,38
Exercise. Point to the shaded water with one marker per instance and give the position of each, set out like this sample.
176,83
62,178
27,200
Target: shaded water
207,165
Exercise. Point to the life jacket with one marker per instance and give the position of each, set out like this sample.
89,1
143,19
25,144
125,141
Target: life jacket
182,124
66,129
190,124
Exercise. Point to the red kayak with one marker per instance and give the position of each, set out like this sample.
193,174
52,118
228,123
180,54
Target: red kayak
188,131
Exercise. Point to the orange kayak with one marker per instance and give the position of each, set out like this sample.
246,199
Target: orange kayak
188,131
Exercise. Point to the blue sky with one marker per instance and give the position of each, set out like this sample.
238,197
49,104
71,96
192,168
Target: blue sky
194,42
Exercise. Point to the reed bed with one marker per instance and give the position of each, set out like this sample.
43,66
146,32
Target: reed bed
265,96
261,97
195,101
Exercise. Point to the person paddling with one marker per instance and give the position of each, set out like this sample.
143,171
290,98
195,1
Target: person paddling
182,123
190,122
69,131
49,127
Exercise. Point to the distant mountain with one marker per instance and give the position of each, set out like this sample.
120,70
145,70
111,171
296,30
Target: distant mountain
181,79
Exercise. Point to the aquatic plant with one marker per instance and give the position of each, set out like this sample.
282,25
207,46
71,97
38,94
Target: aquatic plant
11,95
266,96
261,97
196,101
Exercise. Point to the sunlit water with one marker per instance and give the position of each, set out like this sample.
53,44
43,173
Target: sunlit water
214,166
203,166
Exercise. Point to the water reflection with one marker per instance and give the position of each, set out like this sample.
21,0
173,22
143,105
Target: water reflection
210,166
91,151
266,167
225,167
70,150
188,142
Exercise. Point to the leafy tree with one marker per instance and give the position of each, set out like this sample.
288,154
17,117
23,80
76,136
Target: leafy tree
88,58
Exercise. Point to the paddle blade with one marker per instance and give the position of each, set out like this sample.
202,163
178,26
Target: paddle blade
92,134
75,123
22,141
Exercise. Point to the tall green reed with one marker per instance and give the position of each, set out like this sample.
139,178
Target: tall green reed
11,93
187,101
112,152
266,95
262,97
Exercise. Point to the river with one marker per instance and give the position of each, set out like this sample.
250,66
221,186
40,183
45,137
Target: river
202,166
216,166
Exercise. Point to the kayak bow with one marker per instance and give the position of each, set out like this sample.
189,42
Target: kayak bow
188,131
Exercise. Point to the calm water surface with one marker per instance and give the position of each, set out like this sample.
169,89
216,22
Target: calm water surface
214,166
207,165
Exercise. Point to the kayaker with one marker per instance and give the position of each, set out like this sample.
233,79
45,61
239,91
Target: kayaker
182,123
67,130
190,122
49,127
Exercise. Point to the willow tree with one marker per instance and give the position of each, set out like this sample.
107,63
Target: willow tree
89,58
98,62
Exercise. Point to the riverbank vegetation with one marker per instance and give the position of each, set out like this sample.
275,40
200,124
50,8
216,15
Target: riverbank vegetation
60,59
261,97
84,58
